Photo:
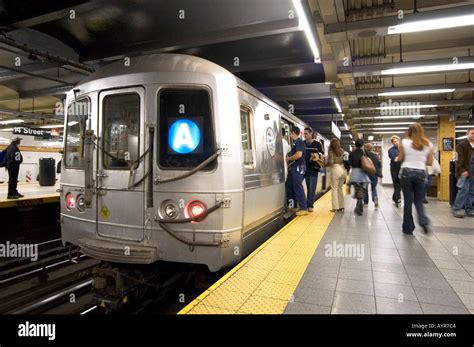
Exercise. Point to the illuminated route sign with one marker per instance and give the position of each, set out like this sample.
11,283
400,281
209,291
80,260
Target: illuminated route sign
184,136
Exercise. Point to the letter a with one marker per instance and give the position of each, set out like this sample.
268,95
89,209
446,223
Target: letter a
183,137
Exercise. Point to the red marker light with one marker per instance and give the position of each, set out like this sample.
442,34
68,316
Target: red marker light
70,201
195,209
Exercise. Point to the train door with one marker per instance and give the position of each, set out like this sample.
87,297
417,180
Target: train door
120,209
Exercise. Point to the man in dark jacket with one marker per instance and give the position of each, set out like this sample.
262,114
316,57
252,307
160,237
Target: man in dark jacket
14,159
373,177
395,165
465,174
312,168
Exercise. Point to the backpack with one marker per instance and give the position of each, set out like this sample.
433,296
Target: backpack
3,158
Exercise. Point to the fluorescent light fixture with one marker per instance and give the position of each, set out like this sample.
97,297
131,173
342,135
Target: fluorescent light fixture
392,117
464,126
350,148
417,92
7,129
461,137
387,123
432,24
336,102
12,121
371,137
350,135
404,107
51,126
388,132
304,24
346,126
428,68
389,128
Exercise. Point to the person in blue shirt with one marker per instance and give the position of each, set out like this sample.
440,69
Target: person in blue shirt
296,172
395,164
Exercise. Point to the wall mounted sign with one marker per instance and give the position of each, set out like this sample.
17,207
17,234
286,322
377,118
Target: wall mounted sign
26,131
448,143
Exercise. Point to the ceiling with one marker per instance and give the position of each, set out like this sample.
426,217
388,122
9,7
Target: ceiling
47,48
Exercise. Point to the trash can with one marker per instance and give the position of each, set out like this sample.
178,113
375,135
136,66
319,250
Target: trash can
453,188
47,171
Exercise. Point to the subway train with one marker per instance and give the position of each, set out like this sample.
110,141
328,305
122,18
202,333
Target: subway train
171,158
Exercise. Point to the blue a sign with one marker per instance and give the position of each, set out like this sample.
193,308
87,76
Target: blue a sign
184,136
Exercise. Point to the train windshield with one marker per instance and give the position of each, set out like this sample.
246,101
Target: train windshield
186,135
78,113
121,116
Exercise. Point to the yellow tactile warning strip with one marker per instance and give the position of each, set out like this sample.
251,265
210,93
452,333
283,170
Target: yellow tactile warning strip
264,282
30,200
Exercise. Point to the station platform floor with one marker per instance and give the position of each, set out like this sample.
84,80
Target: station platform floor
339,263
33,193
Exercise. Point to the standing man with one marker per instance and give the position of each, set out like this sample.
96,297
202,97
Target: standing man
395,170
465,174
14,159
286,150
312,168
297,168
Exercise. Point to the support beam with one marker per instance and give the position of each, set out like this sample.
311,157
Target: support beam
446,129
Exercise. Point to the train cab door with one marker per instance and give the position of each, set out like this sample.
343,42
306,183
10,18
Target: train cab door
120,209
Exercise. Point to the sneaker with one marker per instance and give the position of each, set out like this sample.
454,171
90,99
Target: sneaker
376,204
458,213
302,213
470,213
310,209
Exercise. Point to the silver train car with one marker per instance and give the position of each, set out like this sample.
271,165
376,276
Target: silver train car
171,158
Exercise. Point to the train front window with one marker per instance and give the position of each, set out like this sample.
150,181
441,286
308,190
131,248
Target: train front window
78,113
186,136
121,115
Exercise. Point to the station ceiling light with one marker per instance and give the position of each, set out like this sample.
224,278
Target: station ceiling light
428,68
464,126
388,132
303,24
337,103
12,121
403,107
432,24
7,129
417,92
392,117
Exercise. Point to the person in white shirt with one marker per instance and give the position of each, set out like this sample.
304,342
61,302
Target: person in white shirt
286,150
416,152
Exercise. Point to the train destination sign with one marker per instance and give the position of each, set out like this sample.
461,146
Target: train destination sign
184,136
26,131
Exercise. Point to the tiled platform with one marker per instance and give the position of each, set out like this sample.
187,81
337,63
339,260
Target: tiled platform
399,274
393,273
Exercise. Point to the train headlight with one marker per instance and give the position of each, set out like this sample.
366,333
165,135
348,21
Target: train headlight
169,209
195,209
70,201
81,203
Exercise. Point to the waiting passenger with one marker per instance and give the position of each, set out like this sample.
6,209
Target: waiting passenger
359,178
373,177
465,174
395,170
415,153
14,159
297,168
286,150
337,174
312,168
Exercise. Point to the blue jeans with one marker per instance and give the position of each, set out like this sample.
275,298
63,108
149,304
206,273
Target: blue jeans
373,185
413,187
311,183
465,196
295,190
429,183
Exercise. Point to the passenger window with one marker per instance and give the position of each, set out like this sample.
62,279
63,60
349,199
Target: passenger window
78,113
246,135
186,134
121,115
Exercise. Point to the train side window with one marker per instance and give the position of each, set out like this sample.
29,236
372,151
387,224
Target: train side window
186,131
246,128
78,113
121,116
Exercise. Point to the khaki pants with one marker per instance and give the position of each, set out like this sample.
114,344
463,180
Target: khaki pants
337,176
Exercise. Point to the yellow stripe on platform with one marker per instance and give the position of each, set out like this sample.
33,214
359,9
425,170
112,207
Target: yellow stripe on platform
30,200
264,282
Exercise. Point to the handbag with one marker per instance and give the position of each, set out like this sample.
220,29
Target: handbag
319,160
367,165
435,167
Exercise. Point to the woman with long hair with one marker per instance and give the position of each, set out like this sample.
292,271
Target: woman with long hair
359,178
337,174
416,152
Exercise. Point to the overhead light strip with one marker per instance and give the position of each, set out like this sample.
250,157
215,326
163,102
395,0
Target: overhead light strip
303,24
428,68
417,92
432,24
337,103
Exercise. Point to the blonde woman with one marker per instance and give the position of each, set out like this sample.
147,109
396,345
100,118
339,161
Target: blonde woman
337,174
416,152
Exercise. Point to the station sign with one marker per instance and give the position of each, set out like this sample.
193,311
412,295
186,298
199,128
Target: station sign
184,136
27,131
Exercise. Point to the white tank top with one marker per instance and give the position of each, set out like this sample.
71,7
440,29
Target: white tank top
413,158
